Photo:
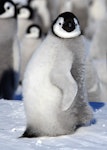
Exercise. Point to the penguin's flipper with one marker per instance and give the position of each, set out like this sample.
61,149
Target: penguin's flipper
67,85
69,93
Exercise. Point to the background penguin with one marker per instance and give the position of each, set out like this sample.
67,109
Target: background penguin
66,6
32,39
98,48
98,53
42,10
92,82
25,14
96,12
54,83
54,7
80,9
9,52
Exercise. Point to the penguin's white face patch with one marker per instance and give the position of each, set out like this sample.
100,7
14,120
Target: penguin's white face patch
58,29
24,13
34,33
9,10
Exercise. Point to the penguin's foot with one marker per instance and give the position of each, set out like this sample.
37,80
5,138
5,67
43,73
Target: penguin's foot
29,133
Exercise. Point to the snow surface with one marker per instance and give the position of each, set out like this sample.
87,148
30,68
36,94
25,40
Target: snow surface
12,125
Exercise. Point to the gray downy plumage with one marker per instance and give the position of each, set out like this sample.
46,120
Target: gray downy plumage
54,91
92,82
30,42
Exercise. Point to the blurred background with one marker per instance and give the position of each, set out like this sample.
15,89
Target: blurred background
34,19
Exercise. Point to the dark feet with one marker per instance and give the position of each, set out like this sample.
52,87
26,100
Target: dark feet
29,133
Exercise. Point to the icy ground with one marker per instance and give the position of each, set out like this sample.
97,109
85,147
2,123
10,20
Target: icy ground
12,125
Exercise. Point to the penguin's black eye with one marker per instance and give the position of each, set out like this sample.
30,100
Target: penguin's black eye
60,24
8,7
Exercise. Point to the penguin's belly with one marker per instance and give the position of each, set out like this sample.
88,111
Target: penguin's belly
42,98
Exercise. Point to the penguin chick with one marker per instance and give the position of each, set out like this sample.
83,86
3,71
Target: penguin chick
25,14
26,17
66,6
54,83
54,7
80,9
32,39
98,49
92,82
42,9
98,53
96,12
9,52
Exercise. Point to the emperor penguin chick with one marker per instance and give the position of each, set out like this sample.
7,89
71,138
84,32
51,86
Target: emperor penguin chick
26,17
32,39
96,12
66,6
54,7
98,52
9,52
98,49
42,10
25,14
54,83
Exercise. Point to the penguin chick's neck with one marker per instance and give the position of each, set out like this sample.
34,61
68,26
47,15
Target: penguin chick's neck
71,43
65,39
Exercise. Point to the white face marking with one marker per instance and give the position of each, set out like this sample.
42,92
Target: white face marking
34,33
59,31
9,10
24,13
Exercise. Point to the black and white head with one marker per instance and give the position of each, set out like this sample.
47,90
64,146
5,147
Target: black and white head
25,12
33,31
7,9
66,25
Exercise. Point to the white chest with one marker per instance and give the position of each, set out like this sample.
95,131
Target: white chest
37,85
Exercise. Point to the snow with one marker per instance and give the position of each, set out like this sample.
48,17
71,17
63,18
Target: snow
12,125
